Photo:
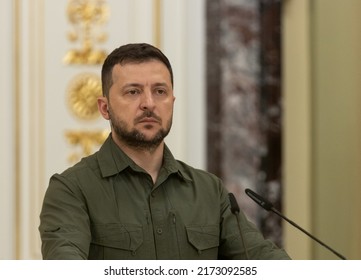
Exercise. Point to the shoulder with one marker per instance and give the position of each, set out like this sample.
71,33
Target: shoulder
198,175
207,185
87,167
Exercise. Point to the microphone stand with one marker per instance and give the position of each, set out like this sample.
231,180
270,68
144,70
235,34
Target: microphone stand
307,233
235,211
268,206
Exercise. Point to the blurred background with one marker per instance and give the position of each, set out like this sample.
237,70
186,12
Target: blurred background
268,98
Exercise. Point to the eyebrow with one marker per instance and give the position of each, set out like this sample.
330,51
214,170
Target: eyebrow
161,84
141,86
132,85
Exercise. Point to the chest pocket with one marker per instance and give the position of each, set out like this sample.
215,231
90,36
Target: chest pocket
124,237
205,239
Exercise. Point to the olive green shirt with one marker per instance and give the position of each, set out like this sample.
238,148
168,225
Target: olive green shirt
107,207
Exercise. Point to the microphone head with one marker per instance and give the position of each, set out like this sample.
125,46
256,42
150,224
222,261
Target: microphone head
264,203
234,204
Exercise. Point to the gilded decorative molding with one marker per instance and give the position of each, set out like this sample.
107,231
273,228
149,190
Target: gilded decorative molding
86,140
83,91
86,17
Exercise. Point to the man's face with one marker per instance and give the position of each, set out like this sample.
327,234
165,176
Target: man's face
140,104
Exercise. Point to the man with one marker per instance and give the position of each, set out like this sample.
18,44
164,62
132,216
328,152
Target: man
132,199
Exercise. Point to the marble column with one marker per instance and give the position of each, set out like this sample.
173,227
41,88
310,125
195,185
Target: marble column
244,114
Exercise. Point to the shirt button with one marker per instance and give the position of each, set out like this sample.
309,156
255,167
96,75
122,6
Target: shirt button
153,194
159,231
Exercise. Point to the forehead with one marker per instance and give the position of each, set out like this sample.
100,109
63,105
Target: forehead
152,69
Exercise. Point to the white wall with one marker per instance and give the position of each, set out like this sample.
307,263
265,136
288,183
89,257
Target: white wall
7,170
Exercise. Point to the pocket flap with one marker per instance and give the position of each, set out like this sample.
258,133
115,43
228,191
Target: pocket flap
121,236
203,237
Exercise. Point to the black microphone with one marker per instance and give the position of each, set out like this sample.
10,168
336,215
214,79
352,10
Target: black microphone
235,211
265,204
234,204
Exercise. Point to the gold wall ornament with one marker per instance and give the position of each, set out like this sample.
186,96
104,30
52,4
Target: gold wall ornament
86,17
83,92
85,141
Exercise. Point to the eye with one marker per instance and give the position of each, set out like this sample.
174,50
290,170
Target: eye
160,91
133,91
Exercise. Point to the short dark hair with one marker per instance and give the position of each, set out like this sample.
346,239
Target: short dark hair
131,53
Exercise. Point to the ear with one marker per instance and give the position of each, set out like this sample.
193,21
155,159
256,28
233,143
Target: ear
103,107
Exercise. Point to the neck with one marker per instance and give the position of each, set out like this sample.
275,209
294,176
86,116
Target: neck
149,159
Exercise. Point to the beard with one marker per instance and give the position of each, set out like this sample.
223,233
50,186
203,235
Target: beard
135,138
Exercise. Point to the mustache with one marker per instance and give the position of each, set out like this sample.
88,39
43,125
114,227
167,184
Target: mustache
147,114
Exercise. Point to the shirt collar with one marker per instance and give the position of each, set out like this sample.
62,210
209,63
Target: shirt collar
113,160
171,165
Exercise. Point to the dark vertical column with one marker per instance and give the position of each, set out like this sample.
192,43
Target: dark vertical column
214,88
244,102
271,111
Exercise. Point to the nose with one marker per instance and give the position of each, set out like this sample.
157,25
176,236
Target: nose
147,101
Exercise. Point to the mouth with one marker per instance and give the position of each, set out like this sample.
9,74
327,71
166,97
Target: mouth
148,120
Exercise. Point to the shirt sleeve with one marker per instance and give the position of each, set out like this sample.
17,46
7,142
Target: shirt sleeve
231,245
64,222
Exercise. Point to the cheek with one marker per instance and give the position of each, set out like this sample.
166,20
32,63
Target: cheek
171,107
167,113
122,108
128,114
